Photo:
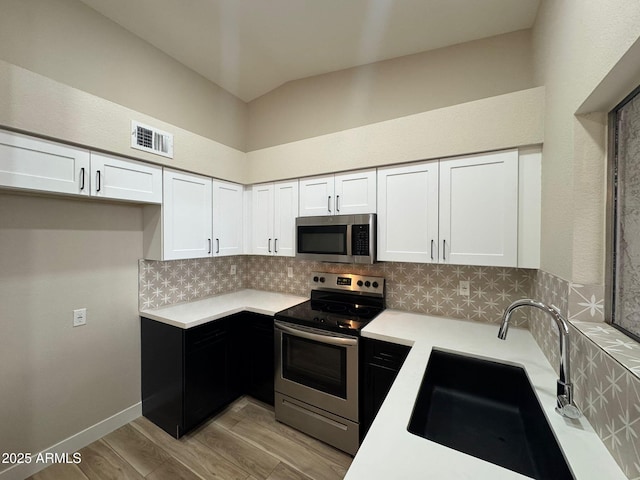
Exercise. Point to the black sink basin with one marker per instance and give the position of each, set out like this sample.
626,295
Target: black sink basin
489,410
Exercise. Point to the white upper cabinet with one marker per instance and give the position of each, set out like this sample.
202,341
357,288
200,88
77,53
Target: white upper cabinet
122,179
285,211
461,211
479,209
408,213
186,216
317,196
274,212
355,192
35,164
227,218
262,219
340,194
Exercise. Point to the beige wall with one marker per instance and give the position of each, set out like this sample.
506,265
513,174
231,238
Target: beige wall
67,41
390,89
504,121
576,44
59,255
36,104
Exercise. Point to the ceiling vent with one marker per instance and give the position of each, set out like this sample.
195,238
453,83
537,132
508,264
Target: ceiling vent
151,139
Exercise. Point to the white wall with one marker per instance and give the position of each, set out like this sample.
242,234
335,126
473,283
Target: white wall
58,255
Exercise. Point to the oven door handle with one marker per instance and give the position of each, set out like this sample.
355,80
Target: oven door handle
317,337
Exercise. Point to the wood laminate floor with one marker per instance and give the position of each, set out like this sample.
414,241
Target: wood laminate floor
244,442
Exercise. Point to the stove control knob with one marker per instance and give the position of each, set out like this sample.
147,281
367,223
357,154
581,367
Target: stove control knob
360,283
375,285
315,279
321,279
367,284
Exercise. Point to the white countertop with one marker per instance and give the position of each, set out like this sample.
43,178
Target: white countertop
389,451
192,314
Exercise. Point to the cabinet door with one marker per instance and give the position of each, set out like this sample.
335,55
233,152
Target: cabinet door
408,213
262,219
355,192
285,213
381,363
227,218
123,179
206,371
317,196
35,164
186,216
258,339
479,209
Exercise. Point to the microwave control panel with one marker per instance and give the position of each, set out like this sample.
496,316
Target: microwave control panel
360,240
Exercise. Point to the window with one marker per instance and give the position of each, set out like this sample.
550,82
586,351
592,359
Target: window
623,220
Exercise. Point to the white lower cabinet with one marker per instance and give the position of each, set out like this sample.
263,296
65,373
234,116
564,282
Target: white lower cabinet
227,218
186,216
35,164
274,211
460,211
122,179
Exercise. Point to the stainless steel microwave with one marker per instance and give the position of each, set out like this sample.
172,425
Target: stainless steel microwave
337,238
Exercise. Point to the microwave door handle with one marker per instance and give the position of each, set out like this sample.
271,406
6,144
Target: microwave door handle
315,336
349,239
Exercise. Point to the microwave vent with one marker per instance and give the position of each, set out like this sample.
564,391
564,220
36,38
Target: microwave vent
150,139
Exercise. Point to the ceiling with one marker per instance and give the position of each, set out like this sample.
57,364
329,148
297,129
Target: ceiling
249,47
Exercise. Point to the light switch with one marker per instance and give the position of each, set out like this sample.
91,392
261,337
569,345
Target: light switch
463,288
79,317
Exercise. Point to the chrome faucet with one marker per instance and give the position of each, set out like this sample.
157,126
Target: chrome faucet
565,405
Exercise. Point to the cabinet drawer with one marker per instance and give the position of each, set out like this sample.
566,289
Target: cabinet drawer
385,354
199,337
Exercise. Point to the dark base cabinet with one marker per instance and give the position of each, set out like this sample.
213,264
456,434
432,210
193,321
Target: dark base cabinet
190,374
380,363
258,353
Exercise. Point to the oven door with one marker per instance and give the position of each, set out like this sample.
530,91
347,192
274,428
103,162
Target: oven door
317,367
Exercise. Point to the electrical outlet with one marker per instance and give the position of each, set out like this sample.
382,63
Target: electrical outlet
463,288
290,272
79,317
233,270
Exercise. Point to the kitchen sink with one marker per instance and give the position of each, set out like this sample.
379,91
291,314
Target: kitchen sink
487,409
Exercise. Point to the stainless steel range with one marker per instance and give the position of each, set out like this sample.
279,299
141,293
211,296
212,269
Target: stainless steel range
316,356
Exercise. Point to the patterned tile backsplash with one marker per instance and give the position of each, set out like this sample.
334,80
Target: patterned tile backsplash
605,363
418,288
178,281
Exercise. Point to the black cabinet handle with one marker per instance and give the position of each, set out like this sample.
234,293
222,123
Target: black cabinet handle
209,240
82,178
337,203
269,246
329,203
99,182
431,249
275,245
217,245
444,249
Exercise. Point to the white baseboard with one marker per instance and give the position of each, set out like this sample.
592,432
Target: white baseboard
74,443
